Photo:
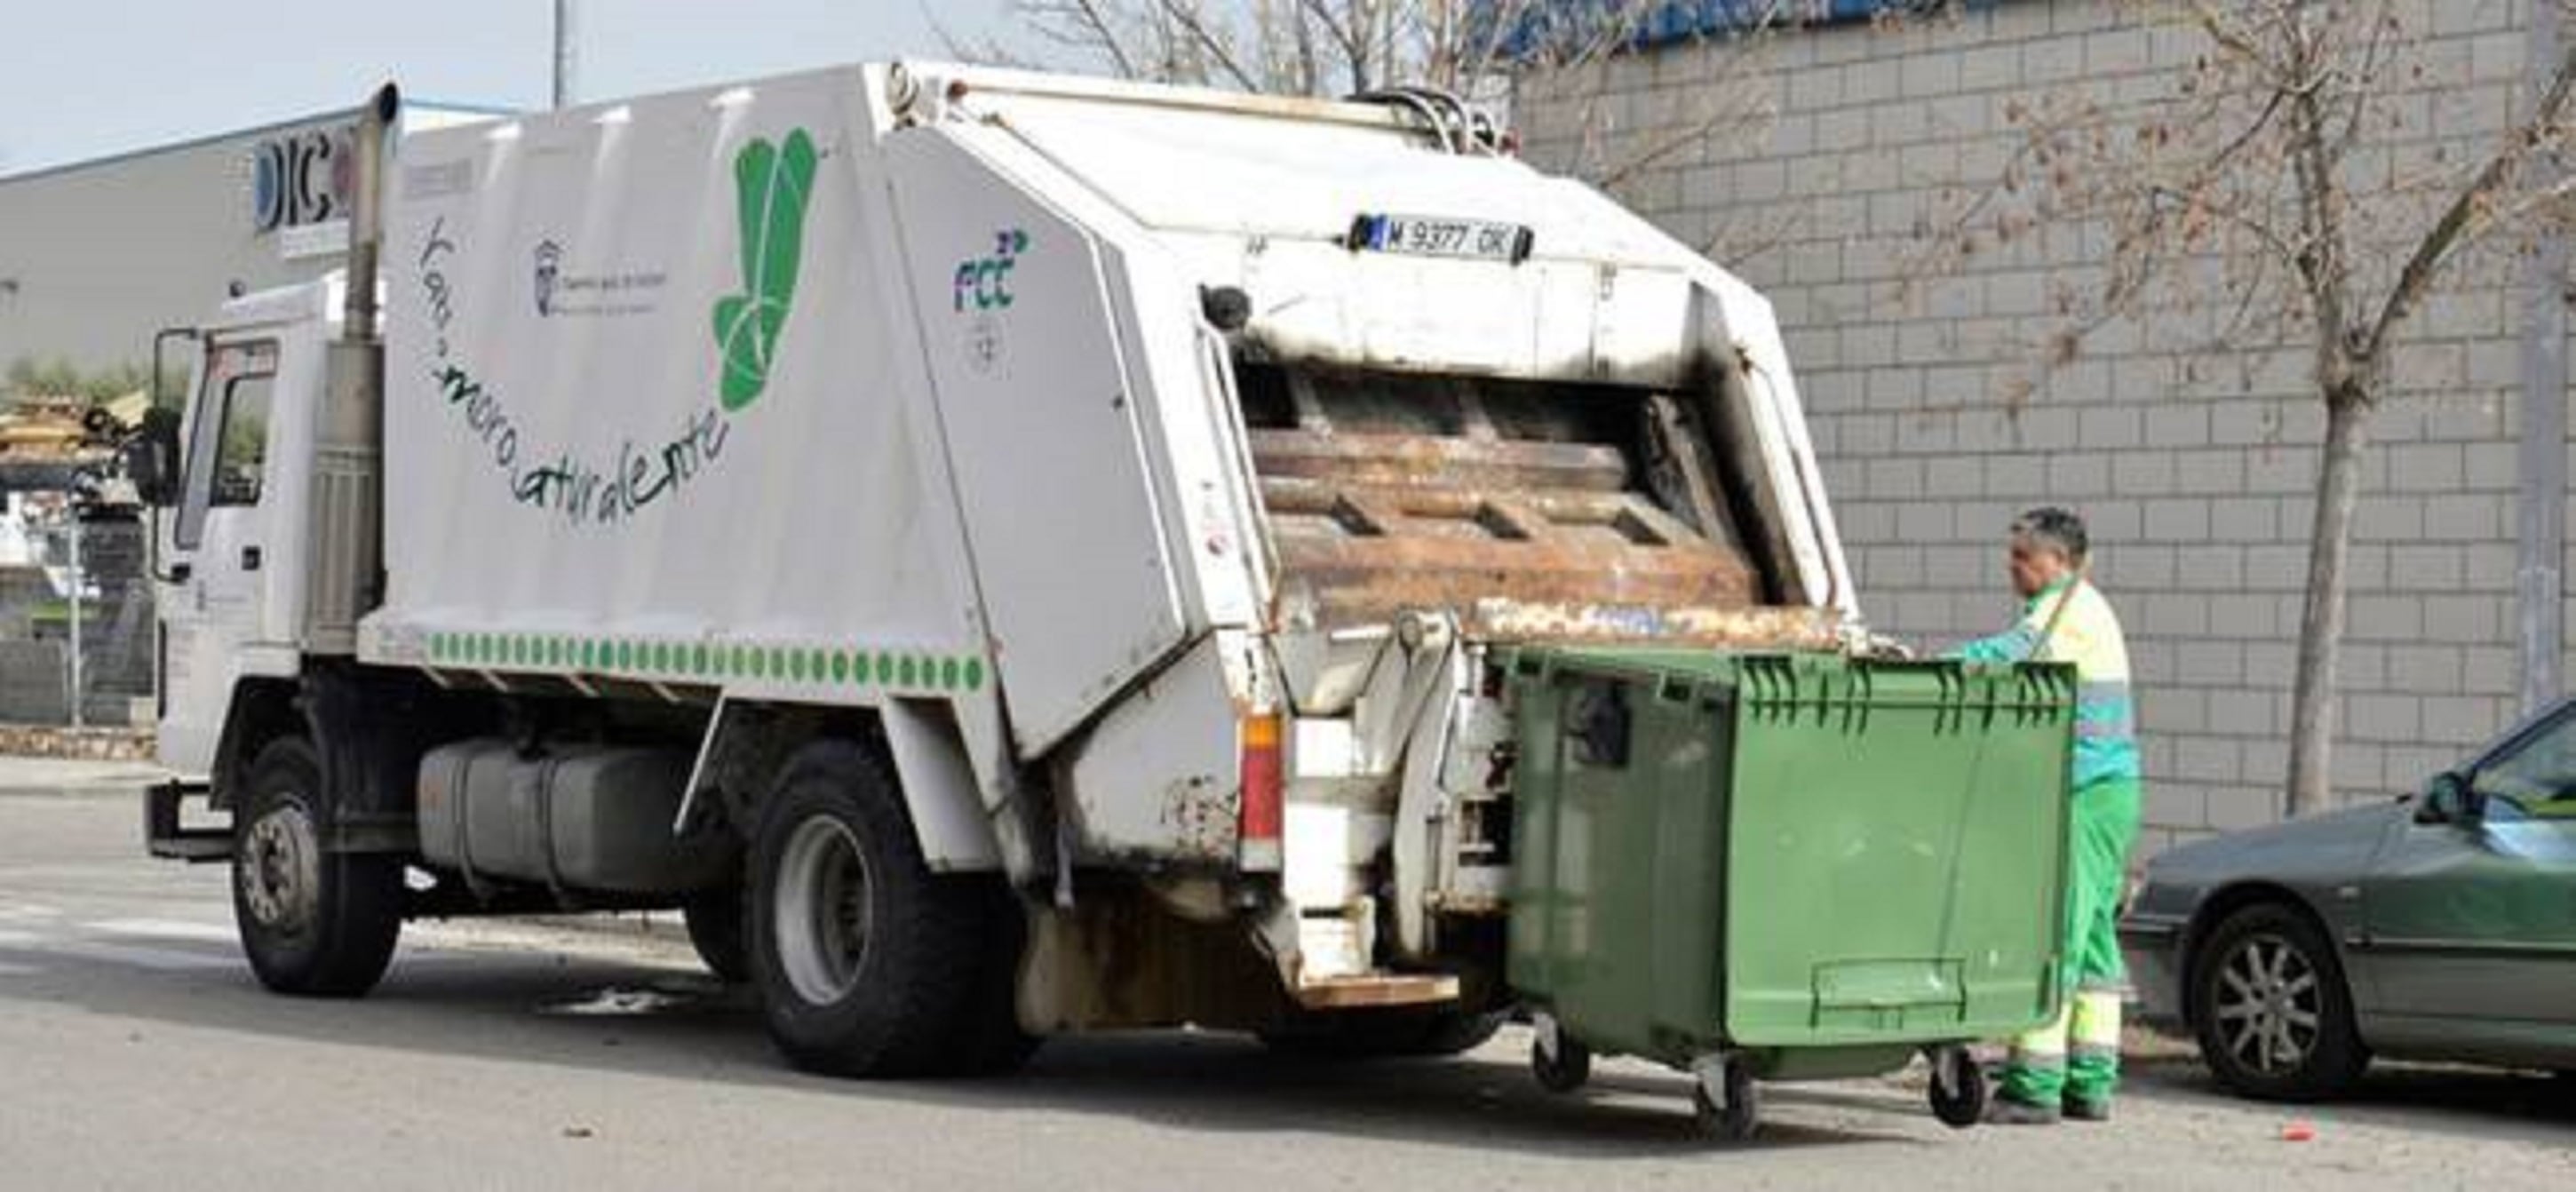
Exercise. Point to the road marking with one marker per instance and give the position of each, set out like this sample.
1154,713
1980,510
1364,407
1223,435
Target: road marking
78,948
174,929
29,910
161,959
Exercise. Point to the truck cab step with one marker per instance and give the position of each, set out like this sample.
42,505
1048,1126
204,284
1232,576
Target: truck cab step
165,834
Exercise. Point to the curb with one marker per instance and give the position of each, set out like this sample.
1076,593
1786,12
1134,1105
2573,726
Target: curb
65,743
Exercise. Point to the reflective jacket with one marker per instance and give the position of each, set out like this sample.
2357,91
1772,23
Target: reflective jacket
2088,635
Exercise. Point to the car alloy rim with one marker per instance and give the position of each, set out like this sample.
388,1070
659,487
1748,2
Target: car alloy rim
824,910
2269,1004
281,868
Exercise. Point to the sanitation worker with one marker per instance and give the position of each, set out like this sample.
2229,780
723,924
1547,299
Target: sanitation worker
2068,1067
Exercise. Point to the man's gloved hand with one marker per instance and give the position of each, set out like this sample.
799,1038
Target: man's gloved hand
1860,643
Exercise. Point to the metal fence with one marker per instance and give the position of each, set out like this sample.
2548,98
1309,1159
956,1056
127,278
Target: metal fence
76,625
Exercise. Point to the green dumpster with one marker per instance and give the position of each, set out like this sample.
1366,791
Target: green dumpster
1783,867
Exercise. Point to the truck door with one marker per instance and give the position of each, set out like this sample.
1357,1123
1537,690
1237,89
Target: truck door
211,604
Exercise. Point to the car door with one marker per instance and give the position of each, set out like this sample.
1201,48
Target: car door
2471,916
212,605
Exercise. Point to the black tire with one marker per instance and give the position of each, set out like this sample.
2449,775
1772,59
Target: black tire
1383,1034
313,924
1566,1071
989,1038
2256,967
868,964
719,928
1963,1104
1741,1117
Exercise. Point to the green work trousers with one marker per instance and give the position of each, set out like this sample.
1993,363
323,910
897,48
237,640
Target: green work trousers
2076,1056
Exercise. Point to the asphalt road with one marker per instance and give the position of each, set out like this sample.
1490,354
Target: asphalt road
137,1052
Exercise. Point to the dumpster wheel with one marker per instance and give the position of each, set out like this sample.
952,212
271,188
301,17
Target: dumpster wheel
1958,1086
1561,1062
1726,1104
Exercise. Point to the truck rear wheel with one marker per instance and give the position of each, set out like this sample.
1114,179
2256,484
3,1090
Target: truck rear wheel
1383,1034
716,929
867,962
312,923
989,1039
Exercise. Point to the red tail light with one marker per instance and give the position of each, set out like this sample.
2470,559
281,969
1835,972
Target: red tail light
1262,791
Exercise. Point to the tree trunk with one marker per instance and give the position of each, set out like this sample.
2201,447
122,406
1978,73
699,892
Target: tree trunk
2312,710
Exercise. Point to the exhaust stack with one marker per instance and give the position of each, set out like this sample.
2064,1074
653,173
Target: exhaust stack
367,213
344,573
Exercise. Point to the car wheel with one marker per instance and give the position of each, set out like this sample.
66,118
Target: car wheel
2271,1009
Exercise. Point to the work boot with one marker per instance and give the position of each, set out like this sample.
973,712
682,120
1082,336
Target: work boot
2087,1109
2008,1111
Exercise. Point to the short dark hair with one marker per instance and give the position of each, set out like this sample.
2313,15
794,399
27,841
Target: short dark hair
2055,528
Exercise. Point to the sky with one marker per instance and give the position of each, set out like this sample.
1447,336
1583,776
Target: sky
97,77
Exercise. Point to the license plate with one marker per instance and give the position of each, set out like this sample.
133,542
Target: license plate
1436,236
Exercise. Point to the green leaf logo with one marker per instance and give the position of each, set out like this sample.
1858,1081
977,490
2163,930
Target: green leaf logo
771,184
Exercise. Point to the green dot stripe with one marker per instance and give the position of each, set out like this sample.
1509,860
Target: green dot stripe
801,663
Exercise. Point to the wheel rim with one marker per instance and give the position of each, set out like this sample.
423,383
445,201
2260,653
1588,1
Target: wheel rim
280,870
2269,1003
824,910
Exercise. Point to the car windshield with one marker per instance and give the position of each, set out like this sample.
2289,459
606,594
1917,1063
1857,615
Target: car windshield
2537,779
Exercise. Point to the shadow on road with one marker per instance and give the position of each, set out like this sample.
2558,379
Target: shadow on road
620,1018
522,1009
2440,1098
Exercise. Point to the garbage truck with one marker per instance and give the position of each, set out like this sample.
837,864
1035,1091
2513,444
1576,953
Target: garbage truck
1005,554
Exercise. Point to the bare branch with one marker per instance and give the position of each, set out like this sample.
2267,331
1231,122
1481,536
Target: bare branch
1192,22
2469,214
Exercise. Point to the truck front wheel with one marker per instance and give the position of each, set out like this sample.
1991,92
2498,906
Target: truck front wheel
865,959
313,923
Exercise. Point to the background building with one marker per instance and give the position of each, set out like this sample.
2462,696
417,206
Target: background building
2197,474
96,256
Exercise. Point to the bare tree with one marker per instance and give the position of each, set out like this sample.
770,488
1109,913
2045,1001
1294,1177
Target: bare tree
1318,48
2258,204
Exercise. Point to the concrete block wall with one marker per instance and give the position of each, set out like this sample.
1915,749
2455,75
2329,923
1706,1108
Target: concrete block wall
2195,472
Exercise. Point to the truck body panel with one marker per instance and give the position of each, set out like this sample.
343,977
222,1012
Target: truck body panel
647,415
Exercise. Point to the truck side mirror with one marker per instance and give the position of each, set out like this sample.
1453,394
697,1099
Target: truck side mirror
2450,799
151,459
